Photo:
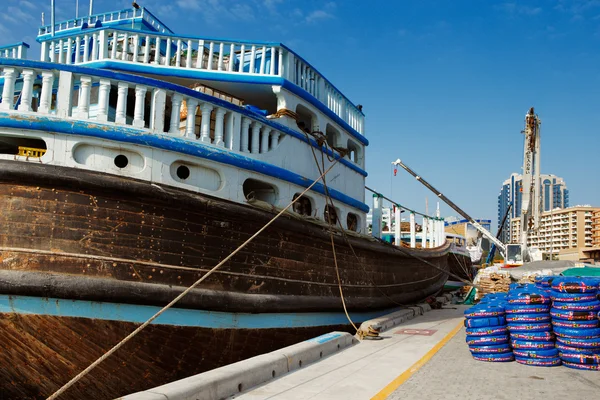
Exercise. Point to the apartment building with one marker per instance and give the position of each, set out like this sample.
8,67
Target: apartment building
564,233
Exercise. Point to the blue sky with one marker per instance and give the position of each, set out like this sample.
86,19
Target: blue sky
445,84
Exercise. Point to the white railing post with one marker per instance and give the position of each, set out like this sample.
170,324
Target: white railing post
245,127
22,52
281,68
158,109
376,222
60,52
140,103
136,47
231,57
200,55
219,116
254,148
398,226
86,48
168,52
147,50
46,93
27,90
103,96
252,58
8,91
236,129
188,56
125,49
242,58
121,109
190,123
83,104
211,48
272,62
228,130
206,109
424,233
176,100
113,49
178,54
264,139
413,238
102,45
431,244
77,50
64,96
274,139
263,60
44,51
157,51
220,59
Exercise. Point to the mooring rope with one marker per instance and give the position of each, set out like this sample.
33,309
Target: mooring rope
180,296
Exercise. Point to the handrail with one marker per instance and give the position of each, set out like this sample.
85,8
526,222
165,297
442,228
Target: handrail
217,55
15,50
226,135
403,207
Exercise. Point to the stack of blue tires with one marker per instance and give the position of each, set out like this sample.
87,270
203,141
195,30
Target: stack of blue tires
575,312
487,335
529,324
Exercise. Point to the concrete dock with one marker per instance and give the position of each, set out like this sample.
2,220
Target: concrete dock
425,357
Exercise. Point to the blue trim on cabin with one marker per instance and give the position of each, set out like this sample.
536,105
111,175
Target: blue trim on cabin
196,149
177,316
234,78
14,45
187,91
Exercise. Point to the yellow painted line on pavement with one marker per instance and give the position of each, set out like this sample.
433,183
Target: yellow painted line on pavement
393,385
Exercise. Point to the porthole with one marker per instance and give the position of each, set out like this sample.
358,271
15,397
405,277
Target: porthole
121,161
183,172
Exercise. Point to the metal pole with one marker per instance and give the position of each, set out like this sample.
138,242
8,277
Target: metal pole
76,9
91,7
52,15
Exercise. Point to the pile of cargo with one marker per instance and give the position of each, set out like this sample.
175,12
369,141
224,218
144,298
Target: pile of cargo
575,317
492,282
552,322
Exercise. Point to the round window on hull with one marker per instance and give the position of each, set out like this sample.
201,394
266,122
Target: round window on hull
183,172
330,215
121,161
352,222
303,205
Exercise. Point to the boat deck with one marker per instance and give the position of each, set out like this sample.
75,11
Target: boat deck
439,366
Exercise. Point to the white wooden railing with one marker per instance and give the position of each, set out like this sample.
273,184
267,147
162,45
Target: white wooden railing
190,52
219,125
17,50
107,18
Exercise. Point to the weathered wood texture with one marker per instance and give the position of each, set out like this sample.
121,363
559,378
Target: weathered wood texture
40,353
68,221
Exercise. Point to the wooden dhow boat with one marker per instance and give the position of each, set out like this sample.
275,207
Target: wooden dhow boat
132,161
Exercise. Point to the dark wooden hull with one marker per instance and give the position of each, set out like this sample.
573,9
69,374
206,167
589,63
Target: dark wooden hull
72,234
40,353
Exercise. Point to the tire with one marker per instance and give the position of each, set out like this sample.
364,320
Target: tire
491,349
525,353
527,308
573,315
539,362
483,322
587,359
523,318
595,367
572,297
531,327
590,333
575,324
579,342
526,345
575,285
489,331
562,348
528,298
485,311
534,336
502,357
581,306
487,340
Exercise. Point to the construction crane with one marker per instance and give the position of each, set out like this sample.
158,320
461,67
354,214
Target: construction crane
530,186
446,200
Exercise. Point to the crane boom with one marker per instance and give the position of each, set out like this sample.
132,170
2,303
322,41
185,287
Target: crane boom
476,224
